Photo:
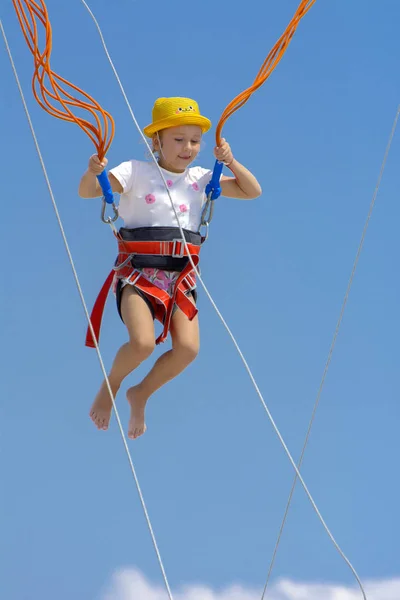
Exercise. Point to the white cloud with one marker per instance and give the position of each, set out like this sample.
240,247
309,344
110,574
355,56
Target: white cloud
130,584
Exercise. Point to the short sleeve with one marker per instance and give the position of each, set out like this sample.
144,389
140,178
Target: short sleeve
125,173
201,176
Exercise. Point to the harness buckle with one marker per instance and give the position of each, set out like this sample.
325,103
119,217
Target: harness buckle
118,267
133,277
181,253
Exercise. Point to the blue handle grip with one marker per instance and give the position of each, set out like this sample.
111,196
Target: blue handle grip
214,186
106,187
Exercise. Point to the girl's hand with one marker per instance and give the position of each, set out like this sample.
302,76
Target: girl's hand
95,166
223,153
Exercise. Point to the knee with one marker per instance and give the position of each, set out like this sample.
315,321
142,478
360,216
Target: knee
142,347
187,351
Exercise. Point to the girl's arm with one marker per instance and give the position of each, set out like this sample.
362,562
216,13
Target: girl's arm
243,185
89,186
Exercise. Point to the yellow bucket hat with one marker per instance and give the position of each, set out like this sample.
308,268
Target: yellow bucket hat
172,112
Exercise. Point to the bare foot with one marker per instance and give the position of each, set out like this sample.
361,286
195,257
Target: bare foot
136,426
100,412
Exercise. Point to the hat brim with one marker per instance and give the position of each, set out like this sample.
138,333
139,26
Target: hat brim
175,121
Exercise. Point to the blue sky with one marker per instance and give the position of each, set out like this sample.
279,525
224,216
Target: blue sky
213,474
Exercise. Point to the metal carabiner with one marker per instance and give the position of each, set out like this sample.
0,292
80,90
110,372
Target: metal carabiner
208,211
108,220
207,215
205,235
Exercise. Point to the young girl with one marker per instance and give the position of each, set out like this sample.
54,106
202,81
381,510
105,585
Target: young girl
176,132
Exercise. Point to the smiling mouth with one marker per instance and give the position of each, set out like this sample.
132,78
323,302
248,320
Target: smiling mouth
185,157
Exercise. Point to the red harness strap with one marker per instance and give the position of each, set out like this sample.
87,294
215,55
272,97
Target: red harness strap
162,303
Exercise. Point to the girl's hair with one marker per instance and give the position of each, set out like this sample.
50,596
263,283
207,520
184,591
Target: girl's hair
149,154
158,135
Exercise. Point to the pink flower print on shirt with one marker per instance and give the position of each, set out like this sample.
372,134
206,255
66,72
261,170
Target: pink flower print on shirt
150,199
195,186
170,183
183,208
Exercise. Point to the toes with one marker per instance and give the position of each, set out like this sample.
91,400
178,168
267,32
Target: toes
101,422
139,431
135,432
94,418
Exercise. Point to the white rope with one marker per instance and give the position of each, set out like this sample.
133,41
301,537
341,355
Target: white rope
84,306
346,296
223,320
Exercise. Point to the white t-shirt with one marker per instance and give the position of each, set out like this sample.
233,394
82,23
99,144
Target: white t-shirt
145,201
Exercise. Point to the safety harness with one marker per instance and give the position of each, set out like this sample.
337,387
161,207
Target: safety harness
153,247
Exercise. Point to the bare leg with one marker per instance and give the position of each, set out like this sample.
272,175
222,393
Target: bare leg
139,322
185,347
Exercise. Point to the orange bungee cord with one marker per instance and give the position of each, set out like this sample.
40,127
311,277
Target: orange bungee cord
33,17
32,13
213,189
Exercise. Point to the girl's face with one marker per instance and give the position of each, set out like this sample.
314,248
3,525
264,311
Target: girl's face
179,146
